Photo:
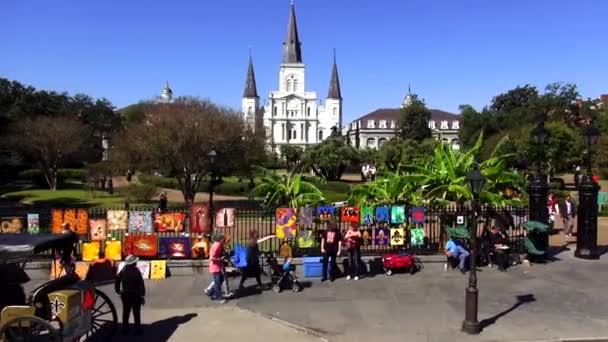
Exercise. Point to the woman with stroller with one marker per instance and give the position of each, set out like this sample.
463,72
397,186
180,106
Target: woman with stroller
352,239
253,268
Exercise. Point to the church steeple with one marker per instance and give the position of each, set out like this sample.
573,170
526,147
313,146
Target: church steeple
167,95
251,90
292,52
334,82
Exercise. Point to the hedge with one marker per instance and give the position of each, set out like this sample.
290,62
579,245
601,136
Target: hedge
36,176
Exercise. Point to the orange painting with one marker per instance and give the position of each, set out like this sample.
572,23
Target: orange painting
82,269
169,222
113,250
56,221
69,217
141,245
82,222
90,250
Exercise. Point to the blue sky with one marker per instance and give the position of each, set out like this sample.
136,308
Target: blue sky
451,52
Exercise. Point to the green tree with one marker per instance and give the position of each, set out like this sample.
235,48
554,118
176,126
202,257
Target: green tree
330,158
389,188
288,190
413,121
292,155
396,152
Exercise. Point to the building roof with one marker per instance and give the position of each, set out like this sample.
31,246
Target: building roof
292,52
251,90
389,114
334,83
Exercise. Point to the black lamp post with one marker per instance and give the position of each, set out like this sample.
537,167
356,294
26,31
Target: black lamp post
212,155
470,324
537,186
586,241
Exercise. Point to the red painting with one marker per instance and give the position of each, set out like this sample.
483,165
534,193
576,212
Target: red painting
141,245
169,222
199,218
350,214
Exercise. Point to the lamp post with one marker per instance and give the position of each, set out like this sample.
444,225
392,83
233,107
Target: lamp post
586,241
537,186
212,157
470,324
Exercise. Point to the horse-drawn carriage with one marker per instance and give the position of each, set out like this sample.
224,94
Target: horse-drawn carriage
64,309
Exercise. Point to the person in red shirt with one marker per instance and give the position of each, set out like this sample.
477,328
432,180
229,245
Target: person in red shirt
352,239
215,267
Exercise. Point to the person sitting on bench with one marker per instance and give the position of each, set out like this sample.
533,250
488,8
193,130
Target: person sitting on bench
498,248
455,251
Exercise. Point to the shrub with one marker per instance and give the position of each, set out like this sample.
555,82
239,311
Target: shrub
73,174
37,177
335,186
159,181
139,193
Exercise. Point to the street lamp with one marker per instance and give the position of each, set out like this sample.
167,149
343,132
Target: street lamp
212,155
586,239
537,186
470,324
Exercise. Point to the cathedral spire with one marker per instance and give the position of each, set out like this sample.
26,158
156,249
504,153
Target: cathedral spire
291,47
334,82
251,90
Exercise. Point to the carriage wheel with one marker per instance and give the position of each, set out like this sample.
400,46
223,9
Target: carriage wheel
104,319
29,328
276,288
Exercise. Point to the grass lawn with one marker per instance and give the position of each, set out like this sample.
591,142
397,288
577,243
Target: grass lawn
67,197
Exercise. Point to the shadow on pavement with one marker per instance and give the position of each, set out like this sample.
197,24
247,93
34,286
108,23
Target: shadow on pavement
601,250
523,299
158,331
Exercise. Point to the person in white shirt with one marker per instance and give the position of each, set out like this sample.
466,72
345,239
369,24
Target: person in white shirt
568,213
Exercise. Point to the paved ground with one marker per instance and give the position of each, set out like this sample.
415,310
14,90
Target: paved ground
562,299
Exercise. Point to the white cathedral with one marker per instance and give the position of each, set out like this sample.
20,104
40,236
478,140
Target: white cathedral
292,115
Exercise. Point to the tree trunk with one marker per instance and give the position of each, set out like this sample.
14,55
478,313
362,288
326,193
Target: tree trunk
50,175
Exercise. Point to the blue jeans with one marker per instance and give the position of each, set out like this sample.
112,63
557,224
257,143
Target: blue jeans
461,254
218,279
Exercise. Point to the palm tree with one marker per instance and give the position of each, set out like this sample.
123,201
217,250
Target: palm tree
288,190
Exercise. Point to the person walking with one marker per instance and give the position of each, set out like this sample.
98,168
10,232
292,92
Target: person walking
568,213
353,245
162,201
253,268
331,247
129,284
216,254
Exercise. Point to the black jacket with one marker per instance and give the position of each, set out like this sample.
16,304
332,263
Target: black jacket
131,281
563,209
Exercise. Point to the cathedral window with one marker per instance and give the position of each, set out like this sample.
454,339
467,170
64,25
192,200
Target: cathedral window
335,111
308,111
294,134
392,123
371,142
381,142
274,111
382,124
444,124
432,124
282,131
288,85
455,124
370,124
320,135
295,85
250,110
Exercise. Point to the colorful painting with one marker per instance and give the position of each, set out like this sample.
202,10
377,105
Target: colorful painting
200,248
417,237
82,222
397,214
366,236
306,239
141,245
140,222
397,237
11,224
90,250
69,217
56,221
325,213
82,269
285,250
158,269
286,223
418,215
382,214
381,236
225,218
144,269
350,214
98,229
113,250
367,216
174,247
33,223
305,216
169,222
117,219
199,218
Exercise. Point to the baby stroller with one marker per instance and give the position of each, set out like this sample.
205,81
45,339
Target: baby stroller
401,261
281,278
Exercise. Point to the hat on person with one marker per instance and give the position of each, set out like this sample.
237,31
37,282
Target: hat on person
131,259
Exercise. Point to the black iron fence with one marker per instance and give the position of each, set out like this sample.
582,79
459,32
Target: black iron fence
378,239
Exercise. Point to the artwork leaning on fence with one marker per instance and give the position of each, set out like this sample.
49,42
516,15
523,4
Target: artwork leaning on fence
350,214
33,223
397,237
286,223
117,219
199,218
12,224
140,222
225,218
141,245
305,216
98,229
174,247
381,236
169,222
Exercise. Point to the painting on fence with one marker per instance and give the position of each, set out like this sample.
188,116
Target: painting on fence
366,236
90,250
417,237
418,215
56,221
200,248
69,217
286,223
325,213
144,268
397,214
98,229
199,218
158,269
33,223
305,216
306,238
397,237
141,245
140,222
382,214
113,250
367,216
117,219
169,222
11,224
350,214
225,218
381,236
174,247
285,250
82,222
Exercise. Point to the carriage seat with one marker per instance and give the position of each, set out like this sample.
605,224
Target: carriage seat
40,294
